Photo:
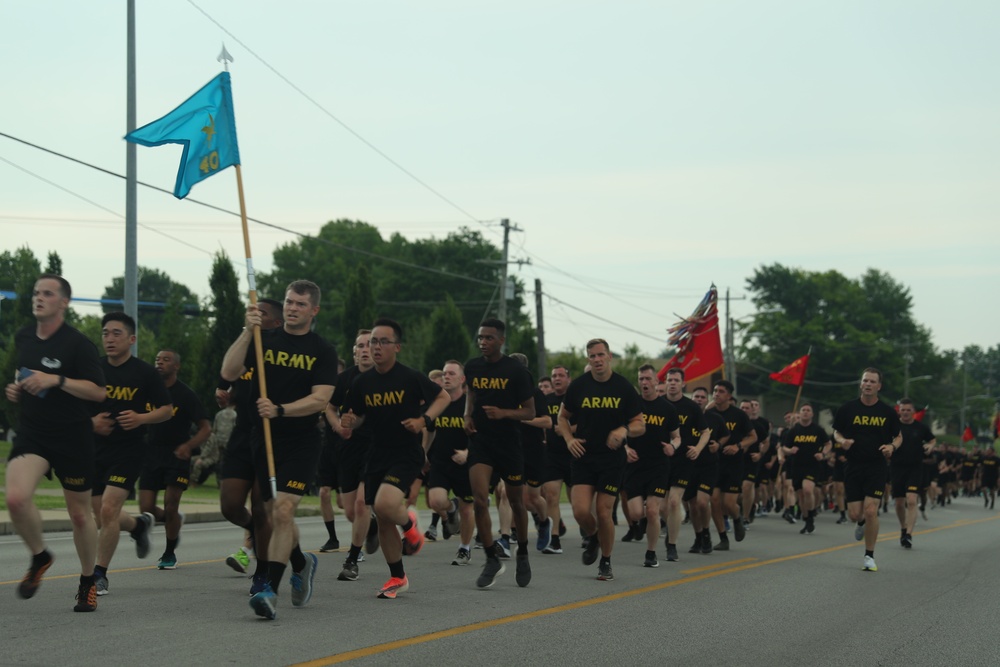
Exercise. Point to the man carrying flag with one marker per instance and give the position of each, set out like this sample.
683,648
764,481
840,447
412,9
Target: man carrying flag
301,369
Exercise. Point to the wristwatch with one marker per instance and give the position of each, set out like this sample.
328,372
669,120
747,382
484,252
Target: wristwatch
281,410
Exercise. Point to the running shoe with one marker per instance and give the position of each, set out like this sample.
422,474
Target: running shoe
706,543
33,579
239,561
371,541
265,603
544,534
650,560
842,519
630,533
349,572
590,550
258,583
552,549
503,547
672,553
143,529
869,565
332,544
522,571
454,521
491,570
463,557
393,586
739,530
431,534
906,541
696,547
101,584
723,545
604,572
302,582
859,532
167,562
413,541
86,598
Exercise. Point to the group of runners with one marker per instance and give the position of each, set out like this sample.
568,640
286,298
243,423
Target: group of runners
472,434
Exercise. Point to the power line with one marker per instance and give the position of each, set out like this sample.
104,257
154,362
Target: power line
318,239
344,125
103,208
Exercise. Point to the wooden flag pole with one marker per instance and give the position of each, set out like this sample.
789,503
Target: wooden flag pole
257,344
798,395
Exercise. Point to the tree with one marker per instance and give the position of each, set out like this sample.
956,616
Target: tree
848,324
449,337
155,289
227,310
408,281
359,306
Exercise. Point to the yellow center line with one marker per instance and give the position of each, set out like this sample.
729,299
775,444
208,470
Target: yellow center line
125,569
708,568
730,568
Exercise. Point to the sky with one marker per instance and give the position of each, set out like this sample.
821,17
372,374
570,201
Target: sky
645,150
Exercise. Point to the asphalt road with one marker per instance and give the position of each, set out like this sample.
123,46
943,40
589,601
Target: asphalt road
777,598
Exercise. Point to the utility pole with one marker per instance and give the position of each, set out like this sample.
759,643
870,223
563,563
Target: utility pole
131,283
540,329
507,227
965,391
906,367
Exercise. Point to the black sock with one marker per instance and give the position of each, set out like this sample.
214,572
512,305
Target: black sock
406,526
262,568
723,536
435,519
275,572
100,571
86,581
297,559
650,554
396,569
171,545
505,536
522,548
249,529
331,528
555,542
861,523
606,560
354,553
870,553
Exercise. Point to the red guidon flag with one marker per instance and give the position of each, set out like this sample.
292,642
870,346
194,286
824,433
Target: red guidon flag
794,373
968,434
920,414
699,348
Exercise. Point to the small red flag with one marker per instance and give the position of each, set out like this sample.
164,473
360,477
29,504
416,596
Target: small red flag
968,434
794,373
920,414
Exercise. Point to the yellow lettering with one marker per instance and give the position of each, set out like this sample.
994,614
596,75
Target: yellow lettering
655,420
600,402
115,393
292,484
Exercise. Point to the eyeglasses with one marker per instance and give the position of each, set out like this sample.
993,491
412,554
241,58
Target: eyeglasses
382,342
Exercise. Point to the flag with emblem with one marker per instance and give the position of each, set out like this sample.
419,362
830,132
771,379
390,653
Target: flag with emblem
794,373
699,348
205,126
